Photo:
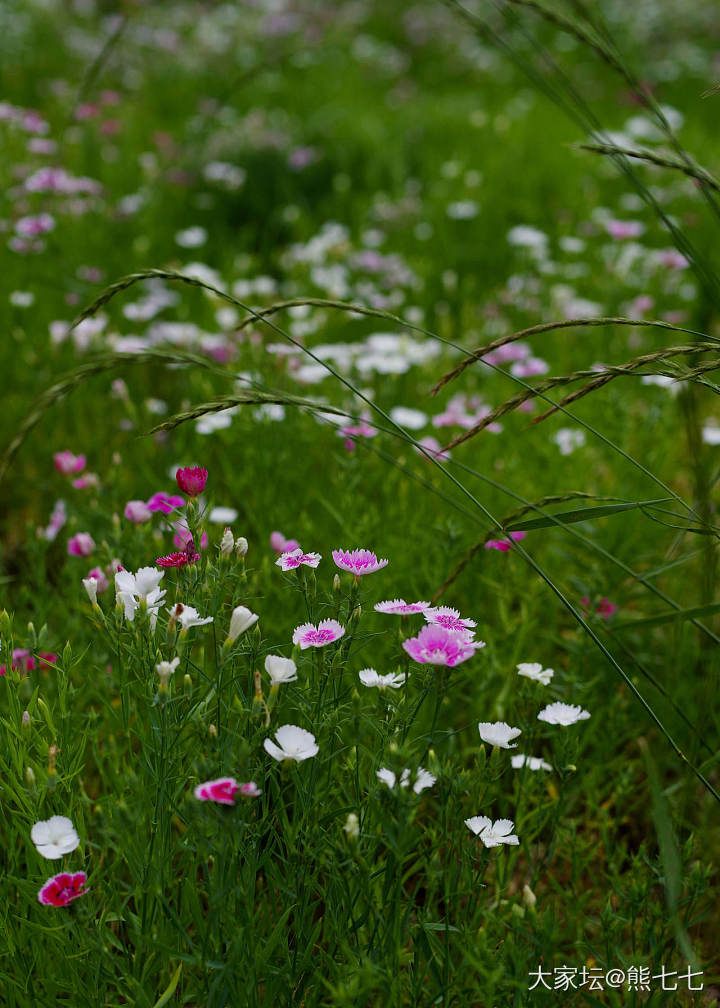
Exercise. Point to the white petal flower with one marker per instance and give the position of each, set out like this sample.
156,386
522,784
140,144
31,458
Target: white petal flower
535,671
531,762
187,616
280,670
90,585
422,779
240,621
562,714
369,677
165,669
147,580
294,743
498,734
54,837
495,833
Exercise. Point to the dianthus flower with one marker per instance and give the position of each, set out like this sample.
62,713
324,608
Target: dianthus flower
393,680
222,791
81,544
563,714
491,833
54,837
503,545
308,635
191,480
294,744
435,645
177,559
422,779
63,889
166,503
498,733
293,559
358,561
67,463
280,544
399,607
449,618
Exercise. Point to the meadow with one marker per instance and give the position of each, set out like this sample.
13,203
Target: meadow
358,559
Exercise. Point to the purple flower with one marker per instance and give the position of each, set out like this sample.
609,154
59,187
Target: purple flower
435,645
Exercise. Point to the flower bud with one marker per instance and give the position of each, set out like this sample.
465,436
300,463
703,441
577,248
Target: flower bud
352,826
212,731
240,621
336,585
529,897
90,585
187,681
241,546
227,543
26,719
29,776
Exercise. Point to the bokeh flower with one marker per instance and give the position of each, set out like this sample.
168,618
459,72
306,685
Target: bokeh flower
81,544
222,791
422,779
535,671
399,607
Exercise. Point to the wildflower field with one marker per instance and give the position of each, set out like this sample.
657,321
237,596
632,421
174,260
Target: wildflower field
359,608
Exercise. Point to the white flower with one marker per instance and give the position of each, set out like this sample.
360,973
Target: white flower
187,616
423,779
223,515
132,589
562,714
294,744
280,670
568,439
241,546
240,621
492,833
711,434
165,669
352,826
369,677
535,671
498,734
531,762
90,585
54,837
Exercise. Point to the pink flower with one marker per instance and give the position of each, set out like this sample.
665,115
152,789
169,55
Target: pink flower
102,582
293,559
358,561
81,544
137,511
182,537
47,660
192,480
605,609
280,544
325,632
503,545
67,463
22,661
57,520
177,559
29,227
399,607
449,618
222,790
63,889
621,230
250,790
433,447
88,481
435,645
165,502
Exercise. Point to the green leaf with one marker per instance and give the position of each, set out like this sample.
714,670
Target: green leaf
581,515
668,615
171,988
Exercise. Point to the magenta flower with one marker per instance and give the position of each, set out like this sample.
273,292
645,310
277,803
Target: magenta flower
22,661
293,559
88,481
358,561
280,544
399,607
182,537
67,463
81,544
605,609
503,545
137,511
250,790
325,632
63,889
222,790
435,645
30,227
165,502
449,618
177,559
102,582
191,480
